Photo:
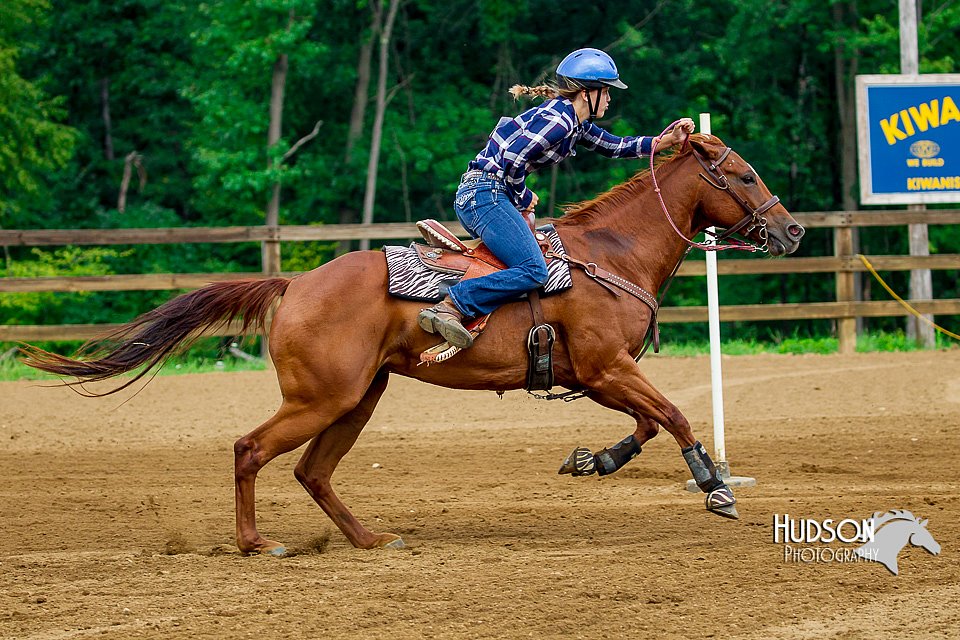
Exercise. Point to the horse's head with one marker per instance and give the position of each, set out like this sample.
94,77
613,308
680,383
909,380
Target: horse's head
736,199
922,538
892,531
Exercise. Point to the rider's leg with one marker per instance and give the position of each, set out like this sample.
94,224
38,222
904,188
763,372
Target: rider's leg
487,213
504,231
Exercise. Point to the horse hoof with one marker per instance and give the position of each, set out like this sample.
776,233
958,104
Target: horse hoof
728,511
276,552
392,542
580,462
721,502
274,549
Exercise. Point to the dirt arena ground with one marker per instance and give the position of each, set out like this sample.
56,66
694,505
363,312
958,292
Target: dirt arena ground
117,519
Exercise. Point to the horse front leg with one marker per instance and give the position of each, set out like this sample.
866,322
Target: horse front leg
625,384
584,462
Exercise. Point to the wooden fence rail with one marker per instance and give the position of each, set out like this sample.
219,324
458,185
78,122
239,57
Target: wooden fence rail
838,264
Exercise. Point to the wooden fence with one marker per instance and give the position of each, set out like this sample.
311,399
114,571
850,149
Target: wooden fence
843,265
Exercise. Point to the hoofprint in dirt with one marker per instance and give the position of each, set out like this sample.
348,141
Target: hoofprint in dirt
118,518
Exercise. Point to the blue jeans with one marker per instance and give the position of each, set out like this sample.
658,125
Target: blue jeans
485,211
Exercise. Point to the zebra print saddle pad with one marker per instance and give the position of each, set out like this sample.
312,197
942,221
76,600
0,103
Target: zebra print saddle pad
409,278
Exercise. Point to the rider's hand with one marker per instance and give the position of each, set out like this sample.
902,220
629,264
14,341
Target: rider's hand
680,132
533,203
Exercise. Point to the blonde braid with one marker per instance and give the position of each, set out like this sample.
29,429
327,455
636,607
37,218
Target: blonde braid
541,91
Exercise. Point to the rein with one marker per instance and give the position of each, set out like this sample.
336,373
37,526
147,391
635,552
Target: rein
752,221
718,180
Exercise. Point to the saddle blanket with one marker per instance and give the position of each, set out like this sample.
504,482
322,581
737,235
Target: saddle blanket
410,279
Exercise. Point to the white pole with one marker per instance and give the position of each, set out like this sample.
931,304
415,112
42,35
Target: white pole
713,315
716,375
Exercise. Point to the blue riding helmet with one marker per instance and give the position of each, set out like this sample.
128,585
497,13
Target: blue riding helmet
588,69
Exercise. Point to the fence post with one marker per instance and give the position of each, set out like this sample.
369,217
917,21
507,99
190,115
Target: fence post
846,290
921,284
270,257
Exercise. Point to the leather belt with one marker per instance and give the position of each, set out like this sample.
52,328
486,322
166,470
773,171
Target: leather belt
477,174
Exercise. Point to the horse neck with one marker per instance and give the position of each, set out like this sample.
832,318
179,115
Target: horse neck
897,530
635,238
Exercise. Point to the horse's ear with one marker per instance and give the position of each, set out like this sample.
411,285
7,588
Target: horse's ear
924,523
706,146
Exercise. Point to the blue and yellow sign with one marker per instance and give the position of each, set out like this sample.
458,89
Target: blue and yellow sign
908,128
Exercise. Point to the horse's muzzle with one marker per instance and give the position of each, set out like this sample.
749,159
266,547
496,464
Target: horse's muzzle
786,240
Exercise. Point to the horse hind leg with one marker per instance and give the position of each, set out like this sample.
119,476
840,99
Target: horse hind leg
298,419
321,459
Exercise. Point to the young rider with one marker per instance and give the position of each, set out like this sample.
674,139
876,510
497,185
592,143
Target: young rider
493,192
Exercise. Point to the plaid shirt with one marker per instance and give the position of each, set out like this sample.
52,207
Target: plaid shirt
543,136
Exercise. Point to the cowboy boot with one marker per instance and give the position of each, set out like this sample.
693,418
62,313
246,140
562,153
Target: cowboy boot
444,318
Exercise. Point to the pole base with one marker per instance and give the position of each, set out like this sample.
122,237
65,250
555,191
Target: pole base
732,481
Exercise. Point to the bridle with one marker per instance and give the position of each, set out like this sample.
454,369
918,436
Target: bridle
755,220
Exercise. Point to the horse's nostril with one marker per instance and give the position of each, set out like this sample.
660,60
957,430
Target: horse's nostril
795,230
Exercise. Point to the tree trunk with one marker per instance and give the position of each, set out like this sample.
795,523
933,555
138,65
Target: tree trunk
271,248
348,213
105,111
845,71
362,90
376,134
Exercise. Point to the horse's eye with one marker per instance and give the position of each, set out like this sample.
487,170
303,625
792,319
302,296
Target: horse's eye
748,178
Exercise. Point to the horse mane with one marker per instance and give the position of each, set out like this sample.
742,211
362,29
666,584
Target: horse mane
621,194
895,514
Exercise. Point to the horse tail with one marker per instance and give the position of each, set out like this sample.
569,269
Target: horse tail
152,338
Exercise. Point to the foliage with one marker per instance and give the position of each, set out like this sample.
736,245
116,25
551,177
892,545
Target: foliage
33,140
229,90
866,343
48,307
187,87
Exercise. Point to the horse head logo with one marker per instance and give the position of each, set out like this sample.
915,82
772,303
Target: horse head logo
898,528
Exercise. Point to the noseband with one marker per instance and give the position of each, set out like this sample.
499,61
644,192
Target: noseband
755,220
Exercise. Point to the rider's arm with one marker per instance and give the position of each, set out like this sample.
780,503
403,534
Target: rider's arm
611,146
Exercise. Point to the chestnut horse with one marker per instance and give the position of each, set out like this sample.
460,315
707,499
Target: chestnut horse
338,335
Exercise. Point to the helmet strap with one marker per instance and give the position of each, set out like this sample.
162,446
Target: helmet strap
594,107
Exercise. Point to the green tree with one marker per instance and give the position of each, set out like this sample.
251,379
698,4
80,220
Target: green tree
236,54
119,65
33,139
